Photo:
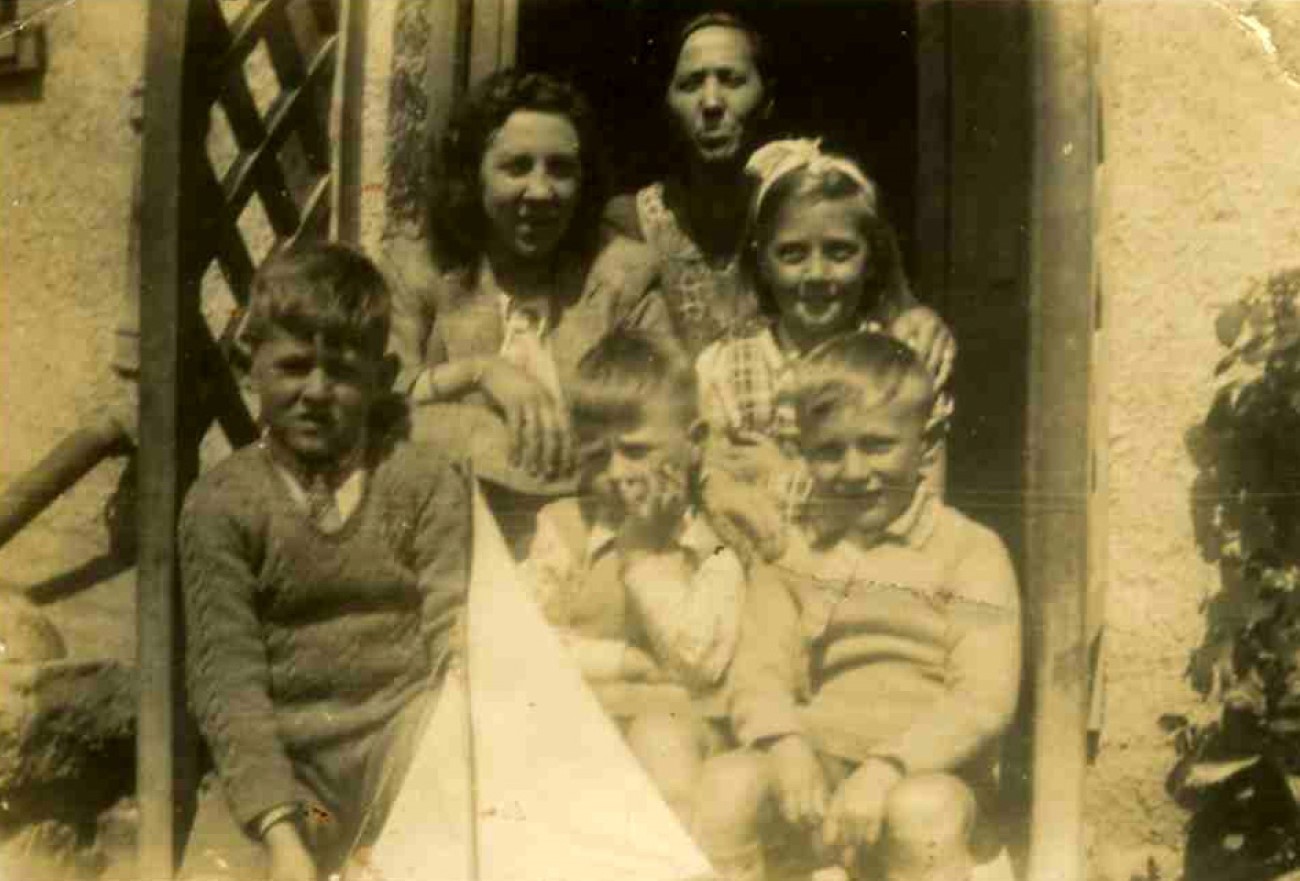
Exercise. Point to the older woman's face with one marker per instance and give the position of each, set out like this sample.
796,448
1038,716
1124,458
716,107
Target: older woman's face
531,175
716,95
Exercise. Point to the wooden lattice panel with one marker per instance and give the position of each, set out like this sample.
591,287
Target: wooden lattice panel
238,162
263,91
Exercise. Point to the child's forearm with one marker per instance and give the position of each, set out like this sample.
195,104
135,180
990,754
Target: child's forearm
765,679
691,618
599,660
448,381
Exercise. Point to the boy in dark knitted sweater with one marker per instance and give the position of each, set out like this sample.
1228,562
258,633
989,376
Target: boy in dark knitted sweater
324,570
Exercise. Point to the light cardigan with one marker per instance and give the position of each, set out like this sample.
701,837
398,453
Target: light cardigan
682,606
440,316
908,648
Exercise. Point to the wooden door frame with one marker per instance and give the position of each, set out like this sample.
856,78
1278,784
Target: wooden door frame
1062,496
188,220
1061,489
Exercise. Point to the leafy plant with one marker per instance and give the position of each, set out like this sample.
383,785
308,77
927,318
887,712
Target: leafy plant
1237,756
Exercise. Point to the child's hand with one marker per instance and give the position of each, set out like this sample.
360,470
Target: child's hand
290,858
922,329
650,518
746,455
540,434
800,783
857,810
745,517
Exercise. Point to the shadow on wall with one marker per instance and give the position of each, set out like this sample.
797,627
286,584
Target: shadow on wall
1238,766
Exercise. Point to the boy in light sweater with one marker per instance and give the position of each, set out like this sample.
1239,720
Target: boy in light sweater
873,680
644,594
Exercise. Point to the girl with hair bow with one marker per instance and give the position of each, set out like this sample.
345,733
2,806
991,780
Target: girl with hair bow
821,261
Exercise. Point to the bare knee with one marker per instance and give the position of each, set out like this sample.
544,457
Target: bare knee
669,748
665,733
928,822
731,792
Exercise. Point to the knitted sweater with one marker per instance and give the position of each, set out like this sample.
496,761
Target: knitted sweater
296,637
909,648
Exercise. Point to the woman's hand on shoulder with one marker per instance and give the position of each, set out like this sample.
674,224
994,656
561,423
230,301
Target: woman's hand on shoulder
540,433
749,456
922,329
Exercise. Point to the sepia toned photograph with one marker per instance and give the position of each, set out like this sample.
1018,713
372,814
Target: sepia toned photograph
657,440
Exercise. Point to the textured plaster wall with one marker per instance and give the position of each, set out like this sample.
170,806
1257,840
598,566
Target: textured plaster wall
65,180
1202,185
65,195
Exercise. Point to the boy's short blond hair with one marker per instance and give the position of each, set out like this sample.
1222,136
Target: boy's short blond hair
317,287
625,373
865,369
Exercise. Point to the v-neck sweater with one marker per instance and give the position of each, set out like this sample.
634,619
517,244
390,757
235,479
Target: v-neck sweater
297,637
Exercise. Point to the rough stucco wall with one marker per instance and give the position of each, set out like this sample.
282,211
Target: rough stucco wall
1201,190
65,180
65,195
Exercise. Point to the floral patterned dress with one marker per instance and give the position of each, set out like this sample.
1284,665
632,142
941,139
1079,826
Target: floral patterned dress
705,299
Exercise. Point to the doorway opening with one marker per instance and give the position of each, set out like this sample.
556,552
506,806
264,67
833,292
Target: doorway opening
940,125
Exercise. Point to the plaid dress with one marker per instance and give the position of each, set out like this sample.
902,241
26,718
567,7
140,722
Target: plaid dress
742,380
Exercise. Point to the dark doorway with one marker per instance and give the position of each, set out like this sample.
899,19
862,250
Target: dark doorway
932,98
845,72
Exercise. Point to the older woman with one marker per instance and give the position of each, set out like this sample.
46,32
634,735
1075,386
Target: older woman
718,97
521,285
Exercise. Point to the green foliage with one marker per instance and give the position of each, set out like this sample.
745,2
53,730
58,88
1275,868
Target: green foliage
1246,507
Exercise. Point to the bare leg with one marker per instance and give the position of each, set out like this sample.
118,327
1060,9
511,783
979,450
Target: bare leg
729,807
928,823
669,747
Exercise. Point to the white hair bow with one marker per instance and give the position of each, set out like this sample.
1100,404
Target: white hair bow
774,160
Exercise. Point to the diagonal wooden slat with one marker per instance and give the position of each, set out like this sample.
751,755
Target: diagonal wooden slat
298,74
249,131
316,210
291,112
221,390
247,31
326,13
227,244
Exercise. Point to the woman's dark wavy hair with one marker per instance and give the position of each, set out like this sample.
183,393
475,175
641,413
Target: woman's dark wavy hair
887,288
457,224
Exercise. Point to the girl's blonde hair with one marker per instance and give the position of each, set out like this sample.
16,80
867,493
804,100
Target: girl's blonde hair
785,171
